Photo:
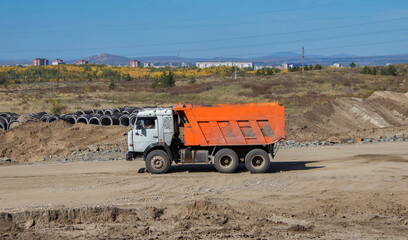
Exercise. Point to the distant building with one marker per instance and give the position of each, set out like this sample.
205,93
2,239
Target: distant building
40,62
135,63
57,61
388,64
286,66
337,65
183,64
228,64
81,62
148,65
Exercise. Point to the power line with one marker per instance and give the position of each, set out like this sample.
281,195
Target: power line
324,48
120,27
233,38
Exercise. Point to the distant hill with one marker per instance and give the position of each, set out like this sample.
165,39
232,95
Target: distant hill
108,59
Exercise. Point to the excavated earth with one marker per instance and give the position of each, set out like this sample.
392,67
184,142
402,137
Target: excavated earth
381,114
35,141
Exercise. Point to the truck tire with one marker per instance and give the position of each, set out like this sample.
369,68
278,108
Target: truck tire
157,161
226,161
257,161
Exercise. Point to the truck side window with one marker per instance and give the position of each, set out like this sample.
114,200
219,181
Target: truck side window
149,124
146,123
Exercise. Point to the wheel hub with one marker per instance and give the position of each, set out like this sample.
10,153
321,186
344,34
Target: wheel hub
226,161
257,161
157,162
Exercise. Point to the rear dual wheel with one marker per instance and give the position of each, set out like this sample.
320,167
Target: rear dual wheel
226,161
257,161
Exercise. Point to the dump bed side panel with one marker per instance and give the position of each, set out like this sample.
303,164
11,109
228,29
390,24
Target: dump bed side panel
243,124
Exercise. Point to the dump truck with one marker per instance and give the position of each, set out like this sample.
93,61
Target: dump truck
219,134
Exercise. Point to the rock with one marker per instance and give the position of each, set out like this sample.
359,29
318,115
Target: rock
5,160
116,149
93,148
29,223
224,220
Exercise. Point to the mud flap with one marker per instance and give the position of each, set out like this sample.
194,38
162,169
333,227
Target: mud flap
129,156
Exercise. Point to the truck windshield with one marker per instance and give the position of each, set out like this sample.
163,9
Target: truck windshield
146,123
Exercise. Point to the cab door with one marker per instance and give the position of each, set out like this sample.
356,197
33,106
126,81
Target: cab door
146,132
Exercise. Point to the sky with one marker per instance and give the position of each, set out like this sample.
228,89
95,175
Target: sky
197,28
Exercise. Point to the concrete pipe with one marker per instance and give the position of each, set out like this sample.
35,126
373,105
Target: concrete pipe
125,112
12,118
6,114
99,111
84,119
94,120
45,117
106,120
37,115
115,110
70,118
90,111
124,120
79,112
136,111
29,120
3,124
52,118
13,124
6,121
108,112
132,119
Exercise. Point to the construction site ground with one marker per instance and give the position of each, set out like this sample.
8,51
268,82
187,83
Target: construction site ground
333,192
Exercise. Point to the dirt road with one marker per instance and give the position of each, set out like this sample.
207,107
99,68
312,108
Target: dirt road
338,192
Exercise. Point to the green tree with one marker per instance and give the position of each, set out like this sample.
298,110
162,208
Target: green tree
366,70
166,80
192,80
390,70
318,67
352,65
112,84
56,106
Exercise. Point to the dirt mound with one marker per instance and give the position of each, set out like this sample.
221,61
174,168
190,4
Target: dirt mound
34,141
345,117
200,208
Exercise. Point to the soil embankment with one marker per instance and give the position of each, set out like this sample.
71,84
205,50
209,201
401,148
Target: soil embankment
383,113
34,141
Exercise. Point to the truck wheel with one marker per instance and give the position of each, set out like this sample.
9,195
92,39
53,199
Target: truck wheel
226,161
257,161
157,161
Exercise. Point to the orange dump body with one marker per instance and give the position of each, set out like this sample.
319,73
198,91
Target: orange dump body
232,124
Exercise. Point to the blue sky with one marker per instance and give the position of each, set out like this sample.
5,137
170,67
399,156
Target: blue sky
211,28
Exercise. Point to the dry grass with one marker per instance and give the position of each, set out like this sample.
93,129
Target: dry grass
298,92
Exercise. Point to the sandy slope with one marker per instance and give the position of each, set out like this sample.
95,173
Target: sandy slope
347,117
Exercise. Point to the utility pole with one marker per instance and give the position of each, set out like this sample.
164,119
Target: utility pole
303,59
58,75
235,72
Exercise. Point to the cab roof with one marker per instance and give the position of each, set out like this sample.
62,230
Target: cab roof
151,112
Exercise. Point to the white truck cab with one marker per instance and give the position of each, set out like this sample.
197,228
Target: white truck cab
153,127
